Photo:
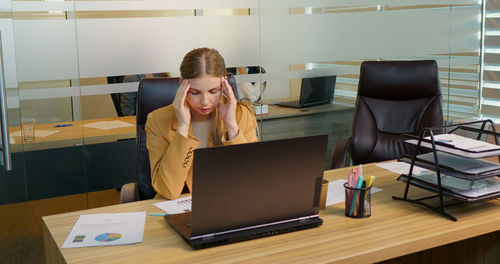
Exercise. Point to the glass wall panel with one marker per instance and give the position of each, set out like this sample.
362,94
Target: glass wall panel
118,48
69,65
319,38
465,49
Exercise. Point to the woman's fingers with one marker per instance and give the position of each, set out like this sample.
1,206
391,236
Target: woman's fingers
228,89
180,96
184,89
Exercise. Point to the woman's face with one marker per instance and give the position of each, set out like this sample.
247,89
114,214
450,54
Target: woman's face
203,96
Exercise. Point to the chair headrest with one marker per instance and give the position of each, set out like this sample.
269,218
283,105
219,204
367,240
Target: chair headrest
399,80
154,93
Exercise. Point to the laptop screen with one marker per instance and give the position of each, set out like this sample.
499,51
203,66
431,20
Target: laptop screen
317,90
250,184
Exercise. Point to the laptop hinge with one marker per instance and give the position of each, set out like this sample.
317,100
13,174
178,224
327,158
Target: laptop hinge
207,237
305,218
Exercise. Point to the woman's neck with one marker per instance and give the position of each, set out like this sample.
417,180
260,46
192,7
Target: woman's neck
199,118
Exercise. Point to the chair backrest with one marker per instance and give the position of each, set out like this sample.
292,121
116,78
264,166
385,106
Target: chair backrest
154,93
394,98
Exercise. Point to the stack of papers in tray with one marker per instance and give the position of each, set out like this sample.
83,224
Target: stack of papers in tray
465,142
462,187
473,167
460,145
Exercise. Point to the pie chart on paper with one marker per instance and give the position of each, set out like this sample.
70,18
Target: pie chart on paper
108,237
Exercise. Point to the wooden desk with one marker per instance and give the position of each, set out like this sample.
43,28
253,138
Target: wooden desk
394,229
77,134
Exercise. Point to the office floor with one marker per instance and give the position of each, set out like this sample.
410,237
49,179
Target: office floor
21,225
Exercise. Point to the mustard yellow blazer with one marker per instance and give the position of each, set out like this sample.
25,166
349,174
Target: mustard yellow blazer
171,154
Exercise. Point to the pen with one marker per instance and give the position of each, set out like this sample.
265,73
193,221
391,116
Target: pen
362,194
158,214
63,125
369,183
355,196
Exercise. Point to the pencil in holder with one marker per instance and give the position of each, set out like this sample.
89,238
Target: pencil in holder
357,201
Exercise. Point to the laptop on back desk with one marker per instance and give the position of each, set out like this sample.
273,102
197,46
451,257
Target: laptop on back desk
252,190
314,91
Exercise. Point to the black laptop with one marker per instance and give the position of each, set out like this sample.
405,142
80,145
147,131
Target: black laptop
314,91
253,190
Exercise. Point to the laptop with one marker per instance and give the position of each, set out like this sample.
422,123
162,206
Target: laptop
314,91
253,190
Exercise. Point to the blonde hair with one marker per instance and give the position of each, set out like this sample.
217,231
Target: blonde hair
206,61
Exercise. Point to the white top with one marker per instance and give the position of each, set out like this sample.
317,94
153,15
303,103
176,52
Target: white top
201,131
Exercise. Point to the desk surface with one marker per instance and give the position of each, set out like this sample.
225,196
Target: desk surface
395,229
77,134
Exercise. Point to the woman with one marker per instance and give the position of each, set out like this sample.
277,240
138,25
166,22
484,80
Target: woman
204,113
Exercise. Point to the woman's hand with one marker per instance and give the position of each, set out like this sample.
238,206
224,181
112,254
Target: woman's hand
227,110
182,111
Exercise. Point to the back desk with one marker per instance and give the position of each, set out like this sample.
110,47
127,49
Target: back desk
78,133
79,158
395,229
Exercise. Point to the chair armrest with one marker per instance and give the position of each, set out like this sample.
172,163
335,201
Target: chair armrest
340,152
129,193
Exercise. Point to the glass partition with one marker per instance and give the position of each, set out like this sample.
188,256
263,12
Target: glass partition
70,65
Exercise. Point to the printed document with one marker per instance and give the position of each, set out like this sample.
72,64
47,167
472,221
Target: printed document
93,230
176,206
105,125
39,133
402,167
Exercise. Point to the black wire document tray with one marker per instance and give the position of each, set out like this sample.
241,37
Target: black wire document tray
465,190
458,171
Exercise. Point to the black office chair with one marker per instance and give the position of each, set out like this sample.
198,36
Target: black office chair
394,98
153,93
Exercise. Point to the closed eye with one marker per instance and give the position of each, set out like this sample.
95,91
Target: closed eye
215,91
194,92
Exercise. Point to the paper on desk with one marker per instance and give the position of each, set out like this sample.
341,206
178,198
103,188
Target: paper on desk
176,206
38,133
336,192
464,142
458,143
402,167
106,230
105,125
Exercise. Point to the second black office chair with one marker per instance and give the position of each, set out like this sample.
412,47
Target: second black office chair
153,93
394,98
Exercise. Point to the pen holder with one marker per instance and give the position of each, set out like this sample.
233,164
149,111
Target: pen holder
357,201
